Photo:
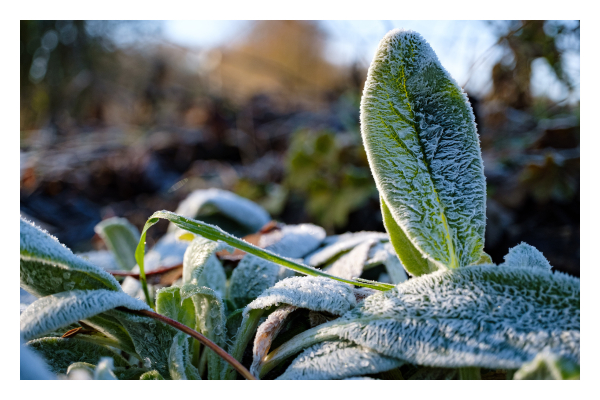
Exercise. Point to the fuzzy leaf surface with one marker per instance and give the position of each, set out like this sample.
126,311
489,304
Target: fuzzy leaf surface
180,365
59,353
478,316
420,137
210,321
121,237
48,267
52,312
338,360
201,267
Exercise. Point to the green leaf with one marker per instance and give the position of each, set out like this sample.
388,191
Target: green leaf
48,267
208,203
548,366
338,360
151,339
215,233
114,330
59,353
478,316
121,238
201,267
421,140
251,277
180,366
411,258
52,312
170,303
151,376
210,321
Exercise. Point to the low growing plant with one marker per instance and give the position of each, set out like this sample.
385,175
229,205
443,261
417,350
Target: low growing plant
457,315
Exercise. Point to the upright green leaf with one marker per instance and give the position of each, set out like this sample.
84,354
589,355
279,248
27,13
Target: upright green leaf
171,303
210,321
421,141
180,365
201,267
121,237
48,267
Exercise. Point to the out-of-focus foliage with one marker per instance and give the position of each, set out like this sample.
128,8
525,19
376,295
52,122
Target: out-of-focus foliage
331,172
524,42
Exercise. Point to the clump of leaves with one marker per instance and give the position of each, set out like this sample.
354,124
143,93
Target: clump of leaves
331,172
457,313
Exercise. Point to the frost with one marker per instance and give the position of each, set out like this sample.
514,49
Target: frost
167,252
209,201
44,262
313,293
351,264
32,365
201,267
383,253
548,366
265,334
180,366
335,245
101,258
151,376
60,353
210,321
252,276
338,360
526,256
52,312
122,238
481,316
293,241
104,369
421,141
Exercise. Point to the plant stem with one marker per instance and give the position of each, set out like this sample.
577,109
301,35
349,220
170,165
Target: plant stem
470,373
198,336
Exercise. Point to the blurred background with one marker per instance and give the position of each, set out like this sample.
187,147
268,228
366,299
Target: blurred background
124,118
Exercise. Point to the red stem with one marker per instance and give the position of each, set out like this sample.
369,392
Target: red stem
199,337
136,275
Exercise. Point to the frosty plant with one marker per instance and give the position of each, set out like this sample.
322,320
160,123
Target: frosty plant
458,313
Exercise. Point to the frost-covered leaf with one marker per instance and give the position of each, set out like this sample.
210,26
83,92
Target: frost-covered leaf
548,366
524,255
151,376
104,370
202,203
335,245
168,251
81,371
478,316
121,237
59,353
383,253
171,304
483,316
201,267
210,321
59,310
338,360
104,259
313,293
48,267
253,276
351,264
267,331
180,366
419,132
152,339
293,241
33,365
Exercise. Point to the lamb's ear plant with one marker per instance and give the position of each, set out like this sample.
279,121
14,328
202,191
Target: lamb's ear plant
458,313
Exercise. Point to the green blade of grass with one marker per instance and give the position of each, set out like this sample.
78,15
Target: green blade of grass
215,233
